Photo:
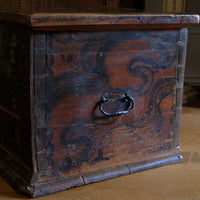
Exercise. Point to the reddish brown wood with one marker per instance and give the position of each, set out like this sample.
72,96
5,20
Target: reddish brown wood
58,15
53,83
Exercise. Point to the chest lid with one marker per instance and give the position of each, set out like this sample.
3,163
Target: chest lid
55,15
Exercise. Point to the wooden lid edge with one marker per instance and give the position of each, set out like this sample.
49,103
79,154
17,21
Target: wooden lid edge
45,21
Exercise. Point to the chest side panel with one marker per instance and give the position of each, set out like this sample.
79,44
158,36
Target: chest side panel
15,133
73,136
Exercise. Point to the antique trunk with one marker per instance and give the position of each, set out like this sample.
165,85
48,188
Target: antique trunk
87,96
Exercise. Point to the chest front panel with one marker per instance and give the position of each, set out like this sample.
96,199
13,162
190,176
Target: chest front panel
78,69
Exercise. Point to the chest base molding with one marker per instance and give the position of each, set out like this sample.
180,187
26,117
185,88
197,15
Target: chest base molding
21,185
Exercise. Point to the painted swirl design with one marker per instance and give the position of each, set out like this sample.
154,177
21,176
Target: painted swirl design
83,67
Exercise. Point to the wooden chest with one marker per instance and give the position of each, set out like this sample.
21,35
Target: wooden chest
87,96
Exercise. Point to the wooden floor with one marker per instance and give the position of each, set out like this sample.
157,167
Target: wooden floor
172,182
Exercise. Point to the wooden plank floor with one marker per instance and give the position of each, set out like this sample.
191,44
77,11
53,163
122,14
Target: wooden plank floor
172,182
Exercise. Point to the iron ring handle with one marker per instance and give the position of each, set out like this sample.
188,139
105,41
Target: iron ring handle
126,98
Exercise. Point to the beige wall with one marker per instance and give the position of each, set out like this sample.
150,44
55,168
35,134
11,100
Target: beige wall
178,6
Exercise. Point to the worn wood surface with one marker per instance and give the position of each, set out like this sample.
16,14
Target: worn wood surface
65,82
80,138
180,181
53,15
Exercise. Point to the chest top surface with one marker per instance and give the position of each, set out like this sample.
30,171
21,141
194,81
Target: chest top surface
44,15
